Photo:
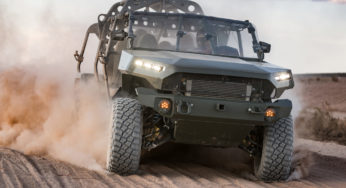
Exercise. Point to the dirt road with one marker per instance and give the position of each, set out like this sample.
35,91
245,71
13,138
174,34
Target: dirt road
173,165
18,170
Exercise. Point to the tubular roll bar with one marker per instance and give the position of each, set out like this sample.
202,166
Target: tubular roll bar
114,21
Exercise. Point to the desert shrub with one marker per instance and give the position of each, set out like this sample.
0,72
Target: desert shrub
335,78
319,124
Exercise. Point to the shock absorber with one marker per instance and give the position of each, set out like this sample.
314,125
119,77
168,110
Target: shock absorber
156,132
250,143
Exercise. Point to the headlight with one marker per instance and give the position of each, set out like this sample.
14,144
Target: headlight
149,65
282,76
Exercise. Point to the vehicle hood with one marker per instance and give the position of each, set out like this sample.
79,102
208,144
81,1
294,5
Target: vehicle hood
198,63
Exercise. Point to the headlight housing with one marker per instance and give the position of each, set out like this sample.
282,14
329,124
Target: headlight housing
149,65
282,76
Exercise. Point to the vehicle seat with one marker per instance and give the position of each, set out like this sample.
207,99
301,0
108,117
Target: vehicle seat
165,45
139,34
227,51
187,43
148,41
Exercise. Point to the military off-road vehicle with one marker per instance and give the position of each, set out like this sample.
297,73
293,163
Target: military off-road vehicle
176,75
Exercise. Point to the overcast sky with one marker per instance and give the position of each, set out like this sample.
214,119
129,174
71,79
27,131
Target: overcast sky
307,36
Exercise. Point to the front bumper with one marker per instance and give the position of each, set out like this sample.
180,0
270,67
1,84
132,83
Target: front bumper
224,111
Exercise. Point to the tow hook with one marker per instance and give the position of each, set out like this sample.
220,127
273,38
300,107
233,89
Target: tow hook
184,107
255,110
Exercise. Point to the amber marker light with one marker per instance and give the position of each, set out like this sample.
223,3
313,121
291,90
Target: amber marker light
270,113
165,105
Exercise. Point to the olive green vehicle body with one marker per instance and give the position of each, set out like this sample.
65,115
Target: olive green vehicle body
203,122
193,119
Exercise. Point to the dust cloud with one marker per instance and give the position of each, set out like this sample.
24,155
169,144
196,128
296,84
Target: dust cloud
302,158
302,162
338,1
40,111
40,114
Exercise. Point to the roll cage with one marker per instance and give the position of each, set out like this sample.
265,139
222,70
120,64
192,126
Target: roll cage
110,28
158,20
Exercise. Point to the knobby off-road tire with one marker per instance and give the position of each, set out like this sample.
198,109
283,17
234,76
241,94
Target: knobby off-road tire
274,162
124,150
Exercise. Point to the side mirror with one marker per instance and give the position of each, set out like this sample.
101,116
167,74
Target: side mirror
265,47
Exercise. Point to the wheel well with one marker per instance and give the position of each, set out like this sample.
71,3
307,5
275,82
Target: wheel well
129,85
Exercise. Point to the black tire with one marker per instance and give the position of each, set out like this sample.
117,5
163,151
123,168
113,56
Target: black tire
274,162
124,150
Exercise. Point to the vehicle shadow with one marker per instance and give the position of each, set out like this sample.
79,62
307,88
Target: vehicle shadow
208,166
204,161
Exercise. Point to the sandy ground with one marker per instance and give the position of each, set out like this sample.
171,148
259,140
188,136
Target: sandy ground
186,166
18,170
321,92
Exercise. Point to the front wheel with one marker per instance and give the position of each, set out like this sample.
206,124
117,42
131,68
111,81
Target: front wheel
274,162
124,150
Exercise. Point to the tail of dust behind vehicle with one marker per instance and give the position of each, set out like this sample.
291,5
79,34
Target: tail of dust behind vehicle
176,75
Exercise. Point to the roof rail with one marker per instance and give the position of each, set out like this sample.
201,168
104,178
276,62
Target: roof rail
175,6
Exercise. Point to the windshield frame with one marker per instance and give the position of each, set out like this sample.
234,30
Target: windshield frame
251,29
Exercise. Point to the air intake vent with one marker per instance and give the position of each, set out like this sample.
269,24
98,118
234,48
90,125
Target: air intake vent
219,89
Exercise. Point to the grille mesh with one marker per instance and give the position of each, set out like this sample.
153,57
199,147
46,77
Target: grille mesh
219,89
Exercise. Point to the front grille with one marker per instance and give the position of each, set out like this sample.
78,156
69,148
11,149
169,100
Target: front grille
218,89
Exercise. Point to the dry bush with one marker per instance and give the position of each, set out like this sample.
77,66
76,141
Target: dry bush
319,124
335,78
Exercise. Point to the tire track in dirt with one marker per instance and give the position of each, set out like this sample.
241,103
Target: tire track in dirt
18,170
